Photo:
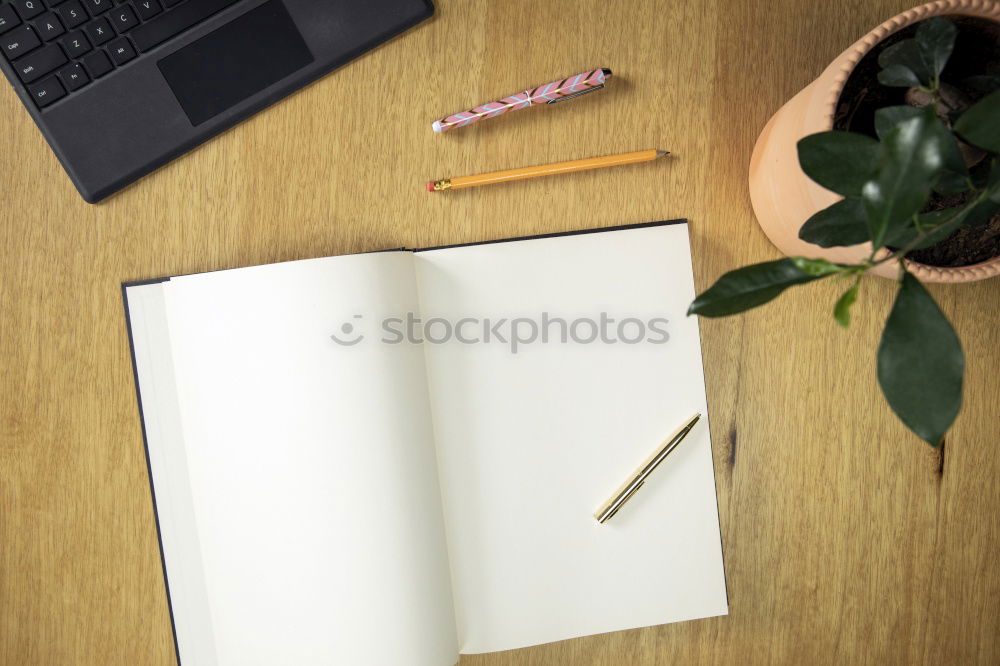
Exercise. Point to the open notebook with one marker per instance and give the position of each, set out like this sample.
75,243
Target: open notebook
329,490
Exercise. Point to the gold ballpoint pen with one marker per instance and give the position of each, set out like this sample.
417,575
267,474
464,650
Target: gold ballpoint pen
625,492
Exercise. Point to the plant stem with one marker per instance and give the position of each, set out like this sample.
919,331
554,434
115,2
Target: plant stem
922,236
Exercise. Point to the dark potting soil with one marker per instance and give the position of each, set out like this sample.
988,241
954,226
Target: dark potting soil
967,246
863,95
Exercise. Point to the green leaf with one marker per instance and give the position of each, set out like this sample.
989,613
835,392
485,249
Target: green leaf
980,124
982,213
906,54
950,182
911,157
987,173
888,117
940,223
839,161
816,267
842,310
898,76
943,222
843,223
954,175
920,363
936,39
993,183
748,287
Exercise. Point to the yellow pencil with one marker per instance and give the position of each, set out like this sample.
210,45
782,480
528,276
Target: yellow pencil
544,170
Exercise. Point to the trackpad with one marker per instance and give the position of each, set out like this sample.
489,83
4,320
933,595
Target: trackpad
236,61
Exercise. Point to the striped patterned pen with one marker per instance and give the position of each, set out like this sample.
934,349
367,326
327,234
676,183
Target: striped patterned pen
550,93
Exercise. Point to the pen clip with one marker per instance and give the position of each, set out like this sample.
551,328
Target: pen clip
576,94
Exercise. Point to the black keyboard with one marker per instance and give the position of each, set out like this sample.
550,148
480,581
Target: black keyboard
59,46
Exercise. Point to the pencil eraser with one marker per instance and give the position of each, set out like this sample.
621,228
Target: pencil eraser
430,185
436,126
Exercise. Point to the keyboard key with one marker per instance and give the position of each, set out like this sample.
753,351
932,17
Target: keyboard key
48,26
97,64
72,14
171,23
121,51
8,18
123,18
98,6
147,9
99,31
170,3
75,44
37,64
47,91
73,76
29,9
19,41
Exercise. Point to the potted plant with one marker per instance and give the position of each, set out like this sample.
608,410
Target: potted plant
844,97
909,164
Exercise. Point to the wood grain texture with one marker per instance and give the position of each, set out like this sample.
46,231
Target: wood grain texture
846,539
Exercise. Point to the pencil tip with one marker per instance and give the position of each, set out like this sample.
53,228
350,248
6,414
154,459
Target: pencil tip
662,153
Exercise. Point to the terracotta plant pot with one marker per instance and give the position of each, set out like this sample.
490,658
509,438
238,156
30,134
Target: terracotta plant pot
784,197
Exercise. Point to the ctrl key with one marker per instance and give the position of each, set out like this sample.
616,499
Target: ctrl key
47,91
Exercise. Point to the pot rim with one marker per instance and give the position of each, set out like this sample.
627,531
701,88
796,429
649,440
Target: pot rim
986,9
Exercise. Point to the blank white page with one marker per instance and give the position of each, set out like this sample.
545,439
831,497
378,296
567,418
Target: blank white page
529,444
307,467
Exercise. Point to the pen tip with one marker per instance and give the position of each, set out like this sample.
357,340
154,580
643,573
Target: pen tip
662,153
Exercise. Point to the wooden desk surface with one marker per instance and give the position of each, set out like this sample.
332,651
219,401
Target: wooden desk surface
846,539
